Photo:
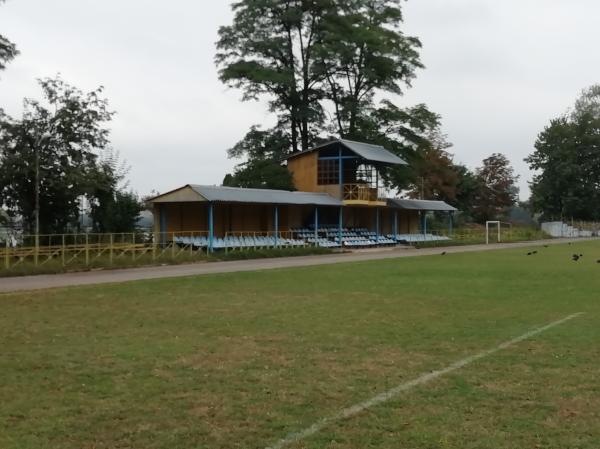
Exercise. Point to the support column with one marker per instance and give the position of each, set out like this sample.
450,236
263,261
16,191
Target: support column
450,223
395,224
340,222
425,222
210,227
341,173
276,224
162,230
377,225
316,224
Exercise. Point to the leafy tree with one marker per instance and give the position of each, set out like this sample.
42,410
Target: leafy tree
466,190
434,176
497,190
363,52
270,49
312,56
53,147
8,50
112,207
264,152
567,163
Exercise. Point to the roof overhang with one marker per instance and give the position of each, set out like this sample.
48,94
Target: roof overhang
366,151
424,205
221,194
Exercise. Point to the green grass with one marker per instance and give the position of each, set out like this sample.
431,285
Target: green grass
239,360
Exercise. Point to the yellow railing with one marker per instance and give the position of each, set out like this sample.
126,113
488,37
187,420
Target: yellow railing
99,249
359,192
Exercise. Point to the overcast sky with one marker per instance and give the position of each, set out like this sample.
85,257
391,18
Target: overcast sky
497,72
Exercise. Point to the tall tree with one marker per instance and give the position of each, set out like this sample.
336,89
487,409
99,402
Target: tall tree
264,152
497,191
112,207
47,156
8,50
434,176
270,49
364,52
567,163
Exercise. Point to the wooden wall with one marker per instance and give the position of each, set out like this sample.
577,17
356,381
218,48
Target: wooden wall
304,174
234,217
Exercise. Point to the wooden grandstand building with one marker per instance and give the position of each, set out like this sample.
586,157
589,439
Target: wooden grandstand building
339,201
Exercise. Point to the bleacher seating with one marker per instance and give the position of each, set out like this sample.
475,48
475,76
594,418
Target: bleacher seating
327,237
418,238
239,242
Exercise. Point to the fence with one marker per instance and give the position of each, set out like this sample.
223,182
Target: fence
97,249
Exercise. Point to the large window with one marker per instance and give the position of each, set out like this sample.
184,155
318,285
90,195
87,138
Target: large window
328,172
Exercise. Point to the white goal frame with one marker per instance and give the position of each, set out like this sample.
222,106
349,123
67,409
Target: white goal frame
487,229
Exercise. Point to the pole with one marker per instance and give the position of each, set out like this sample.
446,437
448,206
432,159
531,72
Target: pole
340,173
276,221
377,225
37,201
210,227
316,224
6,256
62,254
87,250
450,223
340,222
396,224
110,250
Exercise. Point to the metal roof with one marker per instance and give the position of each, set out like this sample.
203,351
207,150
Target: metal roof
367,151
420,205
259,196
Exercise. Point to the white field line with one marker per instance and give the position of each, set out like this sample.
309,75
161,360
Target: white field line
389,394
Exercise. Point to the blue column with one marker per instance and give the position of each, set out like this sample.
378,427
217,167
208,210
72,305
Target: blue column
210,227
276,223
377,225
341,173
316,224
340,222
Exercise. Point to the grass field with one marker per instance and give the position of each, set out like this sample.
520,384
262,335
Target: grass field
241,360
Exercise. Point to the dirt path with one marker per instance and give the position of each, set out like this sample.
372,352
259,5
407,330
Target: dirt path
37,282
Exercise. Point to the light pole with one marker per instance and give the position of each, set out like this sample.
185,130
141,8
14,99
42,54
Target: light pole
37,145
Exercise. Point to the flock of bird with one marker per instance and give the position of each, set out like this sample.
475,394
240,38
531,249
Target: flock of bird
574,257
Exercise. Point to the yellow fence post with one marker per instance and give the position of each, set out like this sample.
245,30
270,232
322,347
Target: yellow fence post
87,250
154,246
110,249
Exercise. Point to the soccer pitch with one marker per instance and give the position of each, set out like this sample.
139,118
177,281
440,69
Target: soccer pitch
276,358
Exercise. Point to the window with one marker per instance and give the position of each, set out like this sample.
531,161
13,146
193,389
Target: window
328,172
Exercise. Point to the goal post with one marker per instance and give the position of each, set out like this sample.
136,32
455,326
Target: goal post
498,225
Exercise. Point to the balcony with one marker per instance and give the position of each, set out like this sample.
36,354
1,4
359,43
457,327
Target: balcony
363,194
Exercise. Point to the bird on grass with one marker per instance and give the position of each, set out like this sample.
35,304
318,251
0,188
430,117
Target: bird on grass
529,254
575,258
545,246
598,261
444,253
534,252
